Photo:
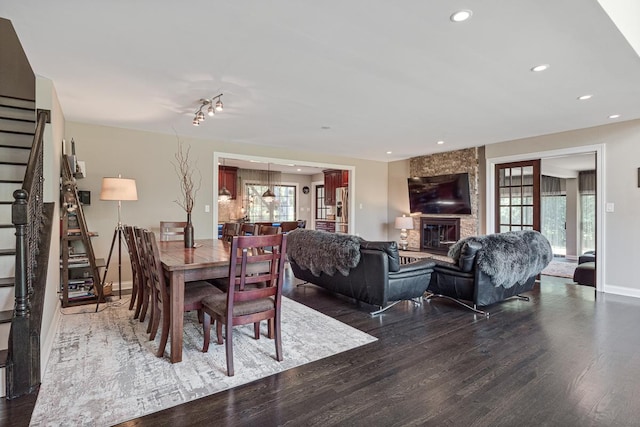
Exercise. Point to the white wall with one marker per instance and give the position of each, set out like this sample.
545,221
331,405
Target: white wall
621,228
146,157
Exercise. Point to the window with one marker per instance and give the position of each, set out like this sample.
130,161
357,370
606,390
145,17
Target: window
587,190
554,213
282,209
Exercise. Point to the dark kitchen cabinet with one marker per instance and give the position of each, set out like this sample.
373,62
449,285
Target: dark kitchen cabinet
227,176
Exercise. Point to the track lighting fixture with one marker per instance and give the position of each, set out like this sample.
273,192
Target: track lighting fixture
212,105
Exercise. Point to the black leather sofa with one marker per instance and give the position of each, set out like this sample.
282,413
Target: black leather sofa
377,278
465,280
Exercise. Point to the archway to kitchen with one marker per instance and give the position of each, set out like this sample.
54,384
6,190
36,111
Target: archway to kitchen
295,173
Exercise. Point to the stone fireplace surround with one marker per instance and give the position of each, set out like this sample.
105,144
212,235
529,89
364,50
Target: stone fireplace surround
450,162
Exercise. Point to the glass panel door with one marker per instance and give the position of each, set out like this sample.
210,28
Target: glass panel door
518,191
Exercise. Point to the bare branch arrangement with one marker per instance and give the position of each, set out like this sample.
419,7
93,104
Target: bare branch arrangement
185,169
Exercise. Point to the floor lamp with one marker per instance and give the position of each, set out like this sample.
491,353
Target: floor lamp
117,189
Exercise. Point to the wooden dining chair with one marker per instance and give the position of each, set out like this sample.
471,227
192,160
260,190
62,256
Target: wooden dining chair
146,283
253,294
248,229
269,230
134,257
172,230
194,292
288,226
230,229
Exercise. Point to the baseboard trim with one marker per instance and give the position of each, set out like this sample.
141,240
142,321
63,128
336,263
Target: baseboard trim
45,349
621,290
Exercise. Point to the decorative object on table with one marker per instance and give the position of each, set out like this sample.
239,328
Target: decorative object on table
212,105
268,196
404,223
186,169
118,189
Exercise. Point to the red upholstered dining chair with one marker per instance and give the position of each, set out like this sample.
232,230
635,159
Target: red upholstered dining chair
254,292
194,292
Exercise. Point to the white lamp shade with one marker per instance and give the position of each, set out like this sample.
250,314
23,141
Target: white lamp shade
118,189
404,222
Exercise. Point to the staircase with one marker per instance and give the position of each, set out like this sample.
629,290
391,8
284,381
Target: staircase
17,128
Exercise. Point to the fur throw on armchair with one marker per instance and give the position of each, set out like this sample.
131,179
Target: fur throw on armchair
323,252
509,258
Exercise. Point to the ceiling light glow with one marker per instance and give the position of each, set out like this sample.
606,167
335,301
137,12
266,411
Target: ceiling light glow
614,116
440,142
461,15
541,67
584,97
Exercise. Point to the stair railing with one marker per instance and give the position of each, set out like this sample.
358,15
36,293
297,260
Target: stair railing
27,214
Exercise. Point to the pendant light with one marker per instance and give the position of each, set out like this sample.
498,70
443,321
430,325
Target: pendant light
224,194
268,195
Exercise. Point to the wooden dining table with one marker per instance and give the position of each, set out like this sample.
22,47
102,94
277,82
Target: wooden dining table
208,260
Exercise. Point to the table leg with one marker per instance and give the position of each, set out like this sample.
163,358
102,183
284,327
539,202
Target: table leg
176,304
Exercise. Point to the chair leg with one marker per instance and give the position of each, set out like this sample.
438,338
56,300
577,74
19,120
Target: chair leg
164,335
229,348
139,299
206,330
134,293
145,305
278,336
270,333
154,322
219,331
256,330
474,308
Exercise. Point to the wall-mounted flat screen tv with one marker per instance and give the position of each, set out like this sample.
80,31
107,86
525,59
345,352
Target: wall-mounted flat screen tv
442,194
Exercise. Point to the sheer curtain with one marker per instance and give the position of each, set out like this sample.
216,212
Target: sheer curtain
587,190
554,212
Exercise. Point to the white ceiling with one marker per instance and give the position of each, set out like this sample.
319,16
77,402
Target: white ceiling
382,76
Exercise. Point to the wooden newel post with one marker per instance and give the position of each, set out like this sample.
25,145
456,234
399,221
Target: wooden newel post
20,218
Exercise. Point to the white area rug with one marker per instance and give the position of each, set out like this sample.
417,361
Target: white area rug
103,371
560,269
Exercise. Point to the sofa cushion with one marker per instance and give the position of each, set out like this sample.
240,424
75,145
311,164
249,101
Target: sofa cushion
390,248
468,255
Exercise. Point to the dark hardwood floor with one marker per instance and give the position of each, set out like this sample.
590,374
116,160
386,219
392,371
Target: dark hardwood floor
568,357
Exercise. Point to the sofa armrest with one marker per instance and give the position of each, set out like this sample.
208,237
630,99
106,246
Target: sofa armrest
421,264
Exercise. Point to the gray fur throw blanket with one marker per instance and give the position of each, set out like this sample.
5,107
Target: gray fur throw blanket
323,252
511,257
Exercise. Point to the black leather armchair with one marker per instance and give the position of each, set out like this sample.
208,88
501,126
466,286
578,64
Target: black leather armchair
377,279
464,280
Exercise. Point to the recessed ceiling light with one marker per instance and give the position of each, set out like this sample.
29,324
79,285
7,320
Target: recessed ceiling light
389,152
614,116
325,127
440,142
461,15
299,170
540,67
584,97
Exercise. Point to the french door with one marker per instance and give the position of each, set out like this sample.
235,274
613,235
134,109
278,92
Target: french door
518,196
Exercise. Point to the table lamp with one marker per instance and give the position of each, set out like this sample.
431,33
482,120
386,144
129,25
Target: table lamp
404,223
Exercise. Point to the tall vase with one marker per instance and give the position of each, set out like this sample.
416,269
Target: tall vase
188,232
